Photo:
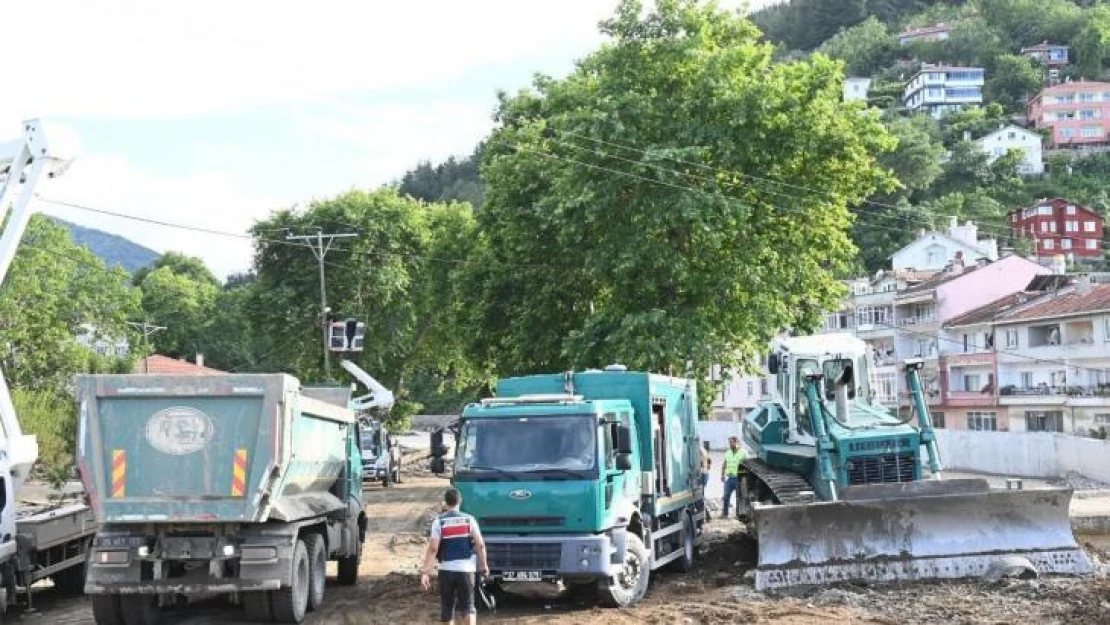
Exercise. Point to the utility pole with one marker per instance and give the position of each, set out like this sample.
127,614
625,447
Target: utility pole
320,243
148,329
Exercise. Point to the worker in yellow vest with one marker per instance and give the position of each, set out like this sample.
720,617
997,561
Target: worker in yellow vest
732,473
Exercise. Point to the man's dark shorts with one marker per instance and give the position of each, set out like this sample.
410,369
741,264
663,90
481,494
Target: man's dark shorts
456,591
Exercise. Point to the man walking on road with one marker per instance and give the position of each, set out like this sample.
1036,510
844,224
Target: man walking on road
732,474
455,540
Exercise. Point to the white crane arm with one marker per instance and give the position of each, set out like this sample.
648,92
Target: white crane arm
379,397
23,162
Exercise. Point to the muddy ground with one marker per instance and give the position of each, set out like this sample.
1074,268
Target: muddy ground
716,592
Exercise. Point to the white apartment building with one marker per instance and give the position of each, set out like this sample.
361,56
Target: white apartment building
940,89
933,251
103,346
1011,137
739,395
1054,360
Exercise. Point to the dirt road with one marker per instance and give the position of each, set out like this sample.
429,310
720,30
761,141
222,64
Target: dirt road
388,589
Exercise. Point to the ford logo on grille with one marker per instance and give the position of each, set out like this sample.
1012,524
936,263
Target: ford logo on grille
520,494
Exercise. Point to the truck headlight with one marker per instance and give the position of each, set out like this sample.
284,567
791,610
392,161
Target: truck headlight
143,551
229,550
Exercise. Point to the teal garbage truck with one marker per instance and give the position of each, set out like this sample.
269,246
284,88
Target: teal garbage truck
583,480
223,484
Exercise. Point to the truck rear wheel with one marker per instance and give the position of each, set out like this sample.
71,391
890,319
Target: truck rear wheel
291,603
348,568
685,563
139,609
630,583
106,610
317,570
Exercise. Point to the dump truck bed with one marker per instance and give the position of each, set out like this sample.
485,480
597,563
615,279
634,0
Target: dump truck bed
245,448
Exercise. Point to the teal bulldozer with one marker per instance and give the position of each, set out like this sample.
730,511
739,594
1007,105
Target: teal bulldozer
842,489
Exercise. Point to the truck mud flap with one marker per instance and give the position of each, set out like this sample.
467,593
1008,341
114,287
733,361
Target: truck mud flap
915,531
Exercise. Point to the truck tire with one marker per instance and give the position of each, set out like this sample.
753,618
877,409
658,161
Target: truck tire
70,581
106,610
317,570
631,583
139,609
257,606
685,564
397,475
347,567
290,604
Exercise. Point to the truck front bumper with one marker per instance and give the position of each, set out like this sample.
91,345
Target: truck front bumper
555,556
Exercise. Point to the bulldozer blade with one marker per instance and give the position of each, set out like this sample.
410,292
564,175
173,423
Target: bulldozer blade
915,532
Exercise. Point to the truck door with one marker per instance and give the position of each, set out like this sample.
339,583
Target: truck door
659,440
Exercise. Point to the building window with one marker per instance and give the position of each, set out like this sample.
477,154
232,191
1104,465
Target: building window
1052,226
1044,210
1088,114
1102,418
1071,226
1026,379
1092,244
1066,244
1092,131
971,383
1067,133
1049,244
938,419
751,388
1044,226
1106,329
1089,226
1070,209
1087,96
1044,420
982,421
1011,338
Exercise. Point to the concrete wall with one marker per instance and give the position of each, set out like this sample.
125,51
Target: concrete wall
717,432
1016,454
1025,454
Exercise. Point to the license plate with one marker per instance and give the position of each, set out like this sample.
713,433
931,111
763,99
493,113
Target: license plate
522,576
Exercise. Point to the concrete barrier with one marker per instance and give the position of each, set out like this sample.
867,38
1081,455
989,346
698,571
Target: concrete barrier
1025,454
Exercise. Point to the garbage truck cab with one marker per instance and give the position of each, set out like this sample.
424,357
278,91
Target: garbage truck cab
583,480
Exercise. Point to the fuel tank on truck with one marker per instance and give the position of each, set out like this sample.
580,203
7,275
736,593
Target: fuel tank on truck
214,448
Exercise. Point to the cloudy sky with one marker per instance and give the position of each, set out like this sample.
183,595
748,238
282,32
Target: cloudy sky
212,113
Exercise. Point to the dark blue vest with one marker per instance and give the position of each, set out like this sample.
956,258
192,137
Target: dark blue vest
455,539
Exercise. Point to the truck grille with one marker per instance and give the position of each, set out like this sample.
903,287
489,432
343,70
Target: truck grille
524,556
520,521
881,469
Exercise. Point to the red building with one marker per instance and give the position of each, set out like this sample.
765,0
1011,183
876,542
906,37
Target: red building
1059,227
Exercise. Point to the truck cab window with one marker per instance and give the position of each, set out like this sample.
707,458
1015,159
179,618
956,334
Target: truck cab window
609,441
805,420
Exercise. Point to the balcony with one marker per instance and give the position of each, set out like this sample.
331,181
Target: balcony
926,320
970,359
1075,395
969,399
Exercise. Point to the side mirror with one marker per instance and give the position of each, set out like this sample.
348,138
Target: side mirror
773,363
624,440
624,462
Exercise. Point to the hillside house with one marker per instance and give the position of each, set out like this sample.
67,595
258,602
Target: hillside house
1078,113
933,251
1011,137
942,89
936,32
1059,227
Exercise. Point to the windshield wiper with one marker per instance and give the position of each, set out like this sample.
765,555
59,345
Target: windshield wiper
499,471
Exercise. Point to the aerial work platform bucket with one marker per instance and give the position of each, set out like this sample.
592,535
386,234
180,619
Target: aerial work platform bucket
918,530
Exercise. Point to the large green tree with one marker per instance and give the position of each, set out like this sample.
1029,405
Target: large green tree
399,276
648,208
180,295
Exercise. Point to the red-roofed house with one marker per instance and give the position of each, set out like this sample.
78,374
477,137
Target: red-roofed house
158,363
1059,227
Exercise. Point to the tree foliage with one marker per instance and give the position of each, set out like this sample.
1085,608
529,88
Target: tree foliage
450,181
399,276
179,295
671,251
865,48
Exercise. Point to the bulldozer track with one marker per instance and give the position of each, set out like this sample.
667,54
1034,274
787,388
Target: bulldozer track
785,486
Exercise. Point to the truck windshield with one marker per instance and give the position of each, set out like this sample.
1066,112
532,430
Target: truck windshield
528,444
371,440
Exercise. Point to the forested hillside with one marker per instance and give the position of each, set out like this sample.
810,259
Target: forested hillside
940,171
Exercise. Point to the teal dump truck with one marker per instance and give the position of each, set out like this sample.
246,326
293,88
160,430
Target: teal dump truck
227,484
583,479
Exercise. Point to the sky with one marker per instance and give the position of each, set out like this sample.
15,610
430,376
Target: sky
214,113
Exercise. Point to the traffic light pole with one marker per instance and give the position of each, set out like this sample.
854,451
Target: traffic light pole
320,243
